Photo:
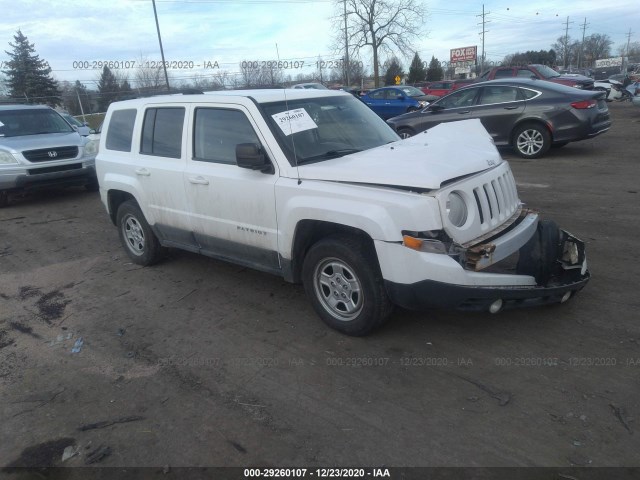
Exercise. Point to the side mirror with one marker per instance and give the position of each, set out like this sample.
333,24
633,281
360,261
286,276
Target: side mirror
251,156
401,97
435,107
533,77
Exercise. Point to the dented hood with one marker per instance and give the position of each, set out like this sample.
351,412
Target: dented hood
425,161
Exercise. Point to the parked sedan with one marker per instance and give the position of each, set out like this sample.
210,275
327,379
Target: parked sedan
529,115
388,102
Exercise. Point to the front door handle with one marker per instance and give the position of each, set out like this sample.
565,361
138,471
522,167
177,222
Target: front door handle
142,171
464,111
199,180
510,108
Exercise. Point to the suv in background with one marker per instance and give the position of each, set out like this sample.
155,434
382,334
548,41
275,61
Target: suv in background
81,127
313,186
541,72
38,149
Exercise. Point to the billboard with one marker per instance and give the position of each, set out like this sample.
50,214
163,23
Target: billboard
464,54
609,62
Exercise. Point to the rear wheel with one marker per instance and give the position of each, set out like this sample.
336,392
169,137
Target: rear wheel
136,235
343,281
531,140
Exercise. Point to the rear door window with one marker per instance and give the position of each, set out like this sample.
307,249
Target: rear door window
162,132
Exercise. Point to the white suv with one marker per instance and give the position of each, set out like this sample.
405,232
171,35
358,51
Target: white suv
313,186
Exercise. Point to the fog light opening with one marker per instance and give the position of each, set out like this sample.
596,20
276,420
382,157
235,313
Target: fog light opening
496,306
565,297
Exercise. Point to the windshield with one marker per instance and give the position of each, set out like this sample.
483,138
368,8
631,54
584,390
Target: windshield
72,120
318,129
15,123
545,71
411,91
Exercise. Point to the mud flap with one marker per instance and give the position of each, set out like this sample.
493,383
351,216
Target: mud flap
539,256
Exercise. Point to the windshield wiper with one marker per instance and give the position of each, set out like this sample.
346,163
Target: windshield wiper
329,154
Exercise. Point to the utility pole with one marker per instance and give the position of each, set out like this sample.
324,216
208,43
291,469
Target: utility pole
484,21
584,27
566,42
164,64
346,45
628,42
81,109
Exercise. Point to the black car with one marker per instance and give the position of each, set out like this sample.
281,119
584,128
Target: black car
529,115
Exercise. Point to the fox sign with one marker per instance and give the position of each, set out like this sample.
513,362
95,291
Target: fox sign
464,54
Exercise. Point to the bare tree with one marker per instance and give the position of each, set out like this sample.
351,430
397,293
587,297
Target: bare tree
149,75
566,50
633,53
597,46
381,25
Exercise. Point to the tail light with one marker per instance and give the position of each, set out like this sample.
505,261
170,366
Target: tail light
584,104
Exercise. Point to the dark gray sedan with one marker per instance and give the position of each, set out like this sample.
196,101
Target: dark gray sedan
529,115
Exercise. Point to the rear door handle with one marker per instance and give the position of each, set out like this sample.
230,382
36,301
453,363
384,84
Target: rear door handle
142,171
510,108
199,180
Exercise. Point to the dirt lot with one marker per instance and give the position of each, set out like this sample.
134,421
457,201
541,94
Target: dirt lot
195,362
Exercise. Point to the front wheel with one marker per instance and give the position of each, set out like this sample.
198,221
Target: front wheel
343,281
136,235
531,140
405,133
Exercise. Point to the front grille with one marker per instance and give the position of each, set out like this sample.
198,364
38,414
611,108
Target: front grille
57,168
496,200
50,154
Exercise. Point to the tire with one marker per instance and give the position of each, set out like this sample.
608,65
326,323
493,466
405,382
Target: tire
405,133
136,235
4,199
531,140
342,278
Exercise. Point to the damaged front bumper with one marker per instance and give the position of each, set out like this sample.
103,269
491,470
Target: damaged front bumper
546,264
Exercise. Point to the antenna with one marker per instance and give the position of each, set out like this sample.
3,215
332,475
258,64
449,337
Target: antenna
286,104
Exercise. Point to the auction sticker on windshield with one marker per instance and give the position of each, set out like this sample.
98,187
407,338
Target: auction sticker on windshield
294,121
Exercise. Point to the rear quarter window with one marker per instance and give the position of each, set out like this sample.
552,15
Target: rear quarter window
120,131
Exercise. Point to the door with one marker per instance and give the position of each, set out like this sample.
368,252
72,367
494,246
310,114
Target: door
498,108
159,169
455,106
377,101
233,213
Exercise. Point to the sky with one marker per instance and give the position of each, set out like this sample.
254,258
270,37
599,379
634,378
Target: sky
73,37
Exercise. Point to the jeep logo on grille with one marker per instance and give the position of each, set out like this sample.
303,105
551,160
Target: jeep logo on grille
52,154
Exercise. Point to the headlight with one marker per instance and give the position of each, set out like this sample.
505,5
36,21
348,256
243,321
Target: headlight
456,209
423,103
91,148
7,159
578,86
